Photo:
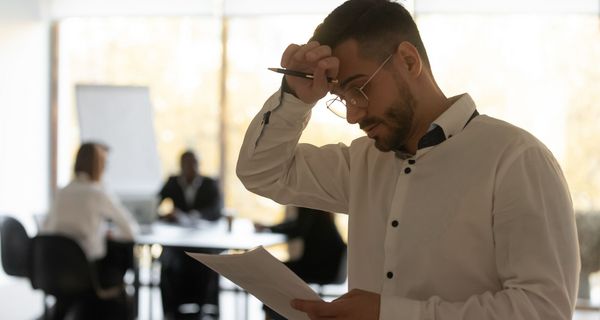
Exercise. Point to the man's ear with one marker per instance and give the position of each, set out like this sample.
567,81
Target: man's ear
407,57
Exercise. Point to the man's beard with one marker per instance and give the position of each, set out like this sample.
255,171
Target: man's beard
398,118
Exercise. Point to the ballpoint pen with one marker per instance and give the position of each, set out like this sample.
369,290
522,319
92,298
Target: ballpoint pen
300,74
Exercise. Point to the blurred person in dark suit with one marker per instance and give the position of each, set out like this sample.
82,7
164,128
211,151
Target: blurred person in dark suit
183,280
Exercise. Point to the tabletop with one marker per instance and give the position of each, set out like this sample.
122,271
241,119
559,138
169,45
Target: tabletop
202,235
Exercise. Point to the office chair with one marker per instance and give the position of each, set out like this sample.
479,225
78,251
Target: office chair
339,278
61,269
319,285
15,247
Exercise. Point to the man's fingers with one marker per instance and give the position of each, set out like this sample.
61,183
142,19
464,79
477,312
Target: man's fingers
307,54
320,309
305,305
317,53
331,64
314,59
300,54
352,292
327,67
288,53
296,52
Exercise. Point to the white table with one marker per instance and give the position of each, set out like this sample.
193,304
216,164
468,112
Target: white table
206,235
200,236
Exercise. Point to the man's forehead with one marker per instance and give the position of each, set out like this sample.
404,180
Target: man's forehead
352,64
347,53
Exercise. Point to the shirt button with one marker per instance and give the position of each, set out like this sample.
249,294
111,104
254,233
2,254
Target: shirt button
407,170
412,161
395,223
390,275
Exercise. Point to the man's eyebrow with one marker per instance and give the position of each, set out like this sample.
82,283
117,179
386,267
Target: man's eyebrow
344,83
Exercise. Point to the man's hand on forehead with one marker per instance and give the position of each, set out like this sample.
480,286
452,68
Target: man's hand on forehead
315,59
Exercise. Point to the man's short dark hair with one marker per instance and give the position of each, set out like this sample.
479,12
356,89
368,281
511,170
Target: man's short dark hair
379,26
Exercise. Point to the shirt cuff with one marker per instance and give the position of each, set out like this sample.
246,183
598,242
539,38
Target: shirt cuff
286,107
295,106
393,308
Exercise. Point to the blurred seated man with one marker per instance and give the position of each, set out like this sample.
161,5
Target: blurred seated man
322,247
81,211
184,280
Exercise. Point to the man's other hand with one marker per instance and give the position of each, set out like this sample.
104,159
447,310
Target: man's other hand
356,304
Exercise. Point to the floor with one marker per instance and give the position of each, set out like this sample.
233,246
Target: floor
19,302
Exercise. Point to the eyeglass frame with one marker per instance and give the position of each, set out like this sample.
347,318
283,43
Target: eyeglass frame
360,89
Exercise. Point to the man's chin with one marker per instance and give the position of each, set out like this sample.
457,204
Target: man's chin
387,145
382,146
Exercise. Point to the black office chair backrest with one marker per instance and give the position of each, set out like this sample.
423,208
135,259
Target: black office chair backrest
338,279
15,247
60,267
342,273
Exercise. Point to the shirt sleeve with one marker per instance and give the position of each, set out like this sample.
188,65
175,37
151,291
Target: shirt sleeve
537,254
120,216
165,191
272,164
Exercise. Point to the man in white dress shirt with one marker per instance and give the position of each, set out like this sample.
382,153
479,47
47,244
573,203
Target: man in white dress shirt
452,214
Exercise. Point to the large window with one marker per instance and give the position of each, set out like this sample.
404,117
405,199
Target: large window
179,59
540,72
537,71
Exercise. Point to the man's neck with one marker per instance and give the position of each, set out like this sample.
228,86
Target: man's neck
431,108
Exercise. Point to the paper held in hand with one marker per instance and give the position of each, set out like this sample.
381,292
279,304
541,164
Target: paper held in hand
263,276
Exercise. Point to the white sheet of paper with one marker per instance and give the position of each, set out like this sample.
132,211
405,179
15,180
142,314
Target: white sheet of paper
265,277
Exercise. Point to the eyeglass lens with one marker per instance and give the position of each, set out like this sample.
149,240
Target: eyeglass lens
353,98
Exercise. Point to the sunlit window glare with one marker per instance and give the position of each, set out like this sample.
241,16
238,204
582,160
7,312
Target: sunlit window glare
539,72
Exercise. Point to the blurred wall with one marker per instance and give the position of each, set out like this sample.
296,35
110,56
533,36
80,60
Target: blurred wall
24,108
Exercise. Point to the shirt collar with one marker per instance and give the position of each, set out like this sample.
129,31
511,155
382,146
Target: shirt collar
82,177
195,183
456,117
449,123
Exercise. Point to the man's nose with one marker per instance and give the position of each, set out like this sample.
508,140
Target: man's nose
355,115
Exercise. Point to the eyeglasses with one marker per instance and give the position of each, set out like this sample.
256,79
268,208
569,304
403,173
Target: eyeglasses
354,97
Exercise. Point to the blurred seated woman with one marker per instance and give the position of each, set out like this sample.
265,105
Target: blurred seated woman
82,210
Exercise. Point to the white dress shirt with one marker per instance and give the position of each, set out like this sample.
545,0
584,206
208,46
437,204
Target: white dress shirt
479,226
80,210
